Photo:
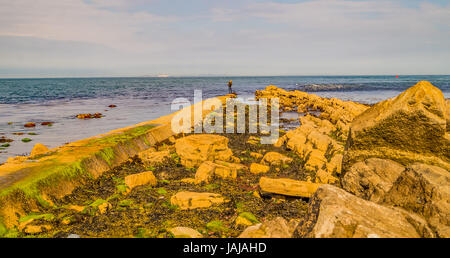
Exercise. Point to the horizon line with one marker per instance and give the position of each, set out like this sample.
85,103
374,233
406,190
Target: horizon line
206,76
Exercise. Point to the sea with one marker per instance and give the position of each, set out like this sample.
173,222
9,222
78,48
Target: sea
59,100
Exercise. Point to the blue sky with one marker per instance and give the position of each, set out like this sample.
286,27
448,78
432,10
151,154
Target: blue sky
45,38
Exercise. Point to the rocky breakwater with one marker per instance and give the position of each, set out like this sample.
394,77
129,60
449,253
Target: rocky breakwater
395,173
320,139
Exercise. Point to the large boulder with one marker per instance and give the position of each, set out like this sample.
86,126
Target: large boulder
335,213
424,189
195,149
372,179
410,127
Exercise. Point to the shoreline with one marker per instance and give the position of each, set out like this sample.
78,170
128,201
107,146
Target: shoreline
335,150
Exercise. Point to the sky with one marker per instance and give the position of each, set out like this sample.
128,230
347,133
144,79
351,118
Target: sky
79,38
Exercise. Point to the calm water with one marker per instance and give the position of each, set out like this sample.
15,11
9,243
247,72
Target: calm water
143,99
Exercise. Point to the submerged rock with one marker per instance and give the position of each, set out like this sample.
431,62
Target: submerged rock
30,124
332,212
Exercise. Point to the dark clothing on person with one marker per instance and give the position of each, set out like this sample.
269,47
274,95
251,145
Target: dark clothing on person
230,83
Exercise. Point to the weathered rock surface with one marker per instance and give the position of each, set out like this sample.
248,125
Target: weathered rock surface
275,159
143,178
372,179
333,212
276,228
225,170
290,187
195,149
194,200
410,127
185,232
151,157
425,190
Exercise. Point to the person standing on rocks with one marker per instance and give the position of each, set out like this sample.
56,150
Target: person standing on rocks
230,83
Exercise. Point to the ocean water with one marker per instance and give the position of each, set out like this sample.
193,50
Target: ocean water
143,99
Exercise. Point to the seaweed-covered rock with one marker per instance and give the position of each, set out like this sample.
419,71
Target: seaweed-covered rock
151,157
372,179
424,189
332,212
195,149
410,127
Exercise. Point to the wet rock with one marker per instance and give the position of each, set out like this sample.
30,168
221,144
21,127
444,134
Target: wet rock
290,187
332,212
150,157
185,232
89,116
371,179
408,128
30,124
3,139
256,168
425,190
276,228
275,159
195,149
194,200
38,149
144,178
